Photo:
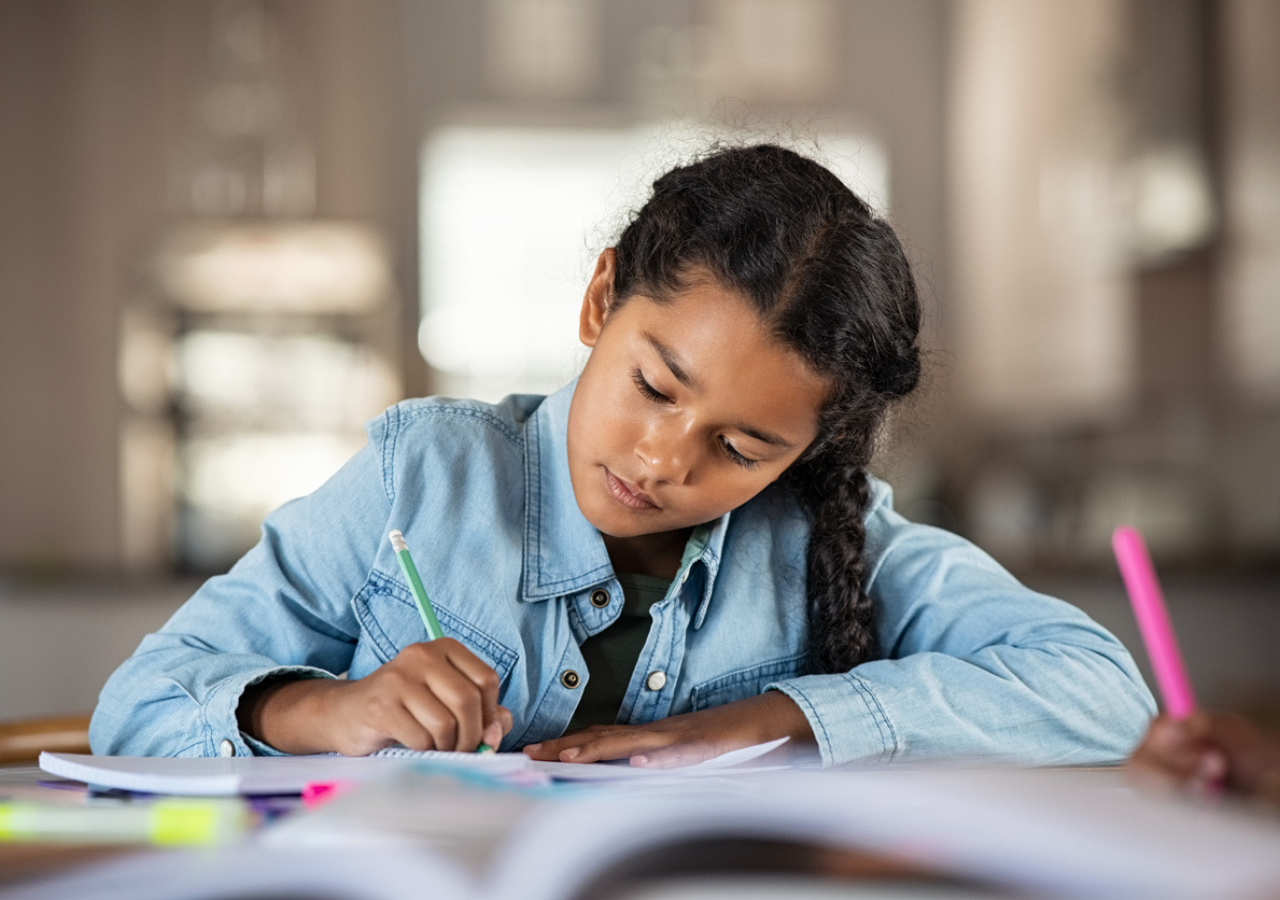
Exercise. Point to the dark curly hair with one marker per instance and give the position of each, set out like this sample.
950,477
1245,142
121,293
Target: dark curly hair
831,280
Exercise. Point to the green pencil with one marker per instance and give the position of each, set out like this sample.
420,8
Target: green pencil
425,609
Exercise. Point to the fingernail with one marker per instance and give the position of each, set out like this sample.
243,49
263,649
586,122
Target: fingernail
571,753
532,748
639,760
493,734
1212,766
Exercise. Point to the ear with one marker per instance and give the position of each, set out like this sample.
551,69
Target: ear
596,301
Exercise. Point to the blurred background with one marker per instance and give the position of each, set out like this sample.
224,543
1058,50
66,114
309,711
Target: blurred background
231,231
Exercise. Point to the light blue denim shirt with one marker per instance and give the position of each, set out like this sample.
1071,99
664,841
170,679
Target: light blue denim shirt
973,663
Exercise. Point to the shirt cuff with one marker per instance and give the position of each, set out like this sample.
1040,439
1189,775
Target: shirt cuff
220,710
848,721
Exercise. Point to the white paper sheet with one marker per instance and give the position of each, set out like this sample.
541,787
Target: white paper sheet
259,775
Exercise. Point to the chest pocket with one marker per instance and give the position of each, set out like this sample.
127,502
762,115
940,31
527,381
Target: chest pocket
746,682
390,621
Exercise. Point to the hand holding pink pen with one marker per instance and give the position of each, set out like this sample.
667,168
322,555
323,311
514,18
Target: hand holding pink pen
1197,752
1153,621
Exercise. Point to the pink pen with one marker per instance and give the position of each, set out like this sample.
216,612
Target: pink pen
1153,621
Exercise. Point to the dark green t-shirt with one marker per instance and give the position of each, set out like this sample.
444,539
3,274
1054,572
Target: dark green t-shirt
611,654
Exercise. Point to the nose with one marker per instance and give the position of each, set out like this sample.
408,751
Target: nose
666,451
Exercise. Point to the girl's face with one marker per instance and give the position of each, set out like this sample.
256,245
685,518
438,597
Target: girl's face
685,410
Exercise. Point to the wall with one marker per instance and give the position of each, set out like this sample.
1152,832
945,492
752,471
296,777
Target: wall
81,184
100,105
58,644
97,104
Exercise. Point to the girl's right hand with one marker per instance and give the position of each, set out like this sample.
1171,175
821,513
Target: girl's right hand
433,696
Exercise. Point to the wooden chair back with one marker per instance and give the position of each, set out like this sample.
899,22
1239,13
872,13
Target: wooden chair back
22,740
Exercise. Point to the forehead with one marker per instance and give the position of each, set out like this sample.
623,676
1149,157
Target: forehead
730,353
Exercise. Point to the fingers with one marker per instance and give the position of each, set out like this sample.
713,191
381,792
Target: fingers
461,720
684,739
1250,757
686,754
424,722
437,695
499,726
427,724
1166,753
643,745
480,675
1175,755
551,750
368,718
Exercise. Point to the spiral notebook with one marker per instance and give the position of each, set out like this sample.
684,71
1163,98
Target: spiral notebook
266,775
253,775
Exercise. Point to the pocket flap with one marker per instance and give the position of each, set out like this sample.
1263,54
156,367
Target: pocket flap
389,617
745,682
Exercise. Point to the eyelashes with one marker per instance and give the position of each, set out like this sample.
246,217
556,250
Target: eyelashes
647,389
736,456
652,393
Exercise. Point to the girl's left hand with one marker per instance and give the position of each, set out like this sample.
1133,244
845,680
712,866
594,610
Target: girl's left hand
686,739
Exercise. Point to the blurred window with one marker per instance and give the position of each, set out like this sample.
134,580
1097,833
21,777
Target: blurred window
266,418
512,222
250,384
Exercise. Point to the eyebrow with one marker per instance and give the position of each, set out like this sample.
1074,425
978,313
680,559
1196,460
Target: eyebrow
767,437
681,375
673,362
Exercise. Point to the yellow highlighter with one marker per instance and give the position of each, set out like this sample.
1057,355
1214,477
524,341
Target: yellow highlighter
174,822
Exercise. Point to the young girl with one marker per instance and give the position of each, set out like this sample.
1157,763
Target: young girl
678,554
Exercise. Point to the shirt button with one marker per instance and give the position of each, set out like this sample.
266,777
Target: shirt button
656,680
226,748
569,678
599,599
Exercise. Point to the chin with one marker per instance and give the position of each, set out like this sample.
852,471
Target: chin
615,525
608,519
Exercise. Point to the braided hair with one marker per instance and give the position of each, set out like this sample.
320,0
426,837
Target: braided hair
829,278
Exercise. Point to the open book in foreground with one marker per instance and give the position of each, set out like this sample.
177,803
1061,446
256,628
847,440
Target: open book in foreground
435,833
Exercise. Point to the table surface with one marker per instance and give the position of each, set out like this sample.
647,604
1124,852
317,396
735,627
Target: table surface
22,861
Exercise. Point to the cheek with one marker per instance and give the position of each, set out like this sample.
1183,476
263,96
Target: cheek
741,485
725,486
601,419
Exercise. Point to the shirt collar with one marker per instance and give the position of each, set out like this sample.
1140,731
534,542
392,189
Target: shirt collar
564,553
712,536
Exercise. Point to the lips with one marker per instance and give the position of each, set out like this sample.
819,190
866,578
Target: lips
624,493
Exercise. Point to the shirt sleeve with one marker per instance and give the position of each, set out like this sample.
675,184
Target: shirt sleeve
973,665
283,610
